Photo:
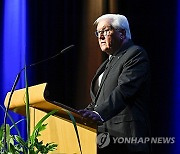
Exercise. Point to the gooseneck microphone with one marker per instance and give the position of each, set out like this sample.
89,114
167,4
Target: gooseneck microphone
17,79
44,60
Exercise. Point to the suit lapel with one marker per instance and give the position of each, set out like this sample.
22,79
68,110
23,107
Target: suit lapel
106,72
98,73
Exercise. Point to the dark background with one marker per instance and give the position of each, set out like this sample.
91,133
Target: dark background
55,24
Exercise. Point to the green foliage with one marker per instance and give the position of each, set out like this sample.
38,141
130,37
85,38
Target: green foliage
75,128
17,145
37,146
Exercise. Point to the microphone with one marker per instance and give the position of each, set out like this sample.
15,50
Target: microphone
17,79
44,60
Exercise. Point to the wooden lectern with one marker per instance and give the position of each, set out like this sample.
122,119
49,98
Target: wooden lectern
60,129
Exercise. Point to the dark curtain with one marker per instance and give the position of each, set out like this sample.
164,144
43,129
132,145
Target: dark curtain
52,26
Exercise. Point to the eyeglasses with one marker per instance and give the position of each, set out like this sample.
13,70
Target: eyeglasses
104,32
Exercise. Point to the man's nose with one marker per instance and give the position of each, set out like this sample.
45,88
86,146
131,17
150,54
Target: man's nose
102,37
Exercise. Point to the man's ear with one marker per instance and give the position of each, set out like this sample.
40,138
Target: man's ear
122,34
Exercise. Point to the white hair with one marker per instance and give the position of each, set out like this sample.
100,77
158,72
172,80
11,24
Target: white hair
117,21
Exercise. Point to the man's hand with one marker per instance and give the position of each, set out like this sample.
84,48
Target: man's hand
90,114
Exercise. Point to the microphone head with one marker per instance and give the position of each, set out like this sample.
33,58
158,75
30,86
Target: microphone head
67,48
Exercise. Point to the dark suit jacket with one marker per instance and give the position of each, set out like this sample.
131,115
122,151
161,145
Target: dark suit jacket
123,94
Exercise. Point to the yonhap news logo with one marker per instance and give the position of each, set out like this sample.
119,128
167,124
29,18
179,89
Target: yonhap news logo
104,139
144,140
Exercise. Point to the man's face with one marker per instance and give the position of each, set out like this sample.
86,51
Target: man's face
109,40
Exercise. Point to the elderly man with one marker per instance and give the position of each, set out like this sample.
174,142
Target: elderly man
119,89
